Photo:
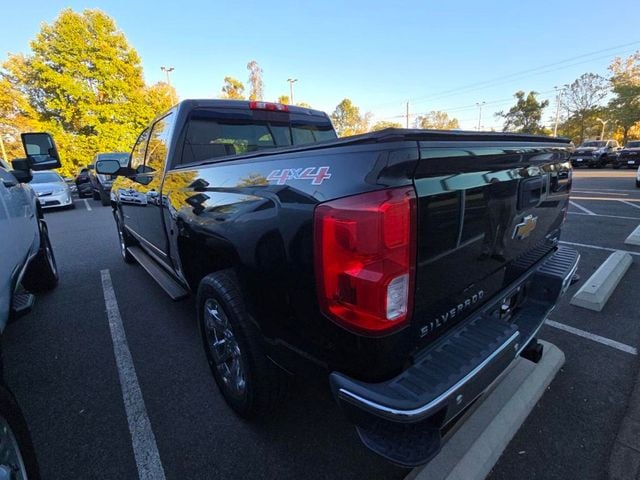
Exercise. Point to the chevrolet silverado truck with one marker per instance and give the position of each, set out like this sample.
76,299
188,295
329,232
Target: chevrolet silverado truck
408,268
629,156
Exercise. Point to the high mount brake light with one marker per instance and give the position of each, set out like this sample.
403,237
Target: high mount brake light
365,259
274,107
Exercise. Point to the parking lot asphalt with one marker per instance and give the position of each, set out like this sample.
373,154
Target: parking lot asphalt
59,360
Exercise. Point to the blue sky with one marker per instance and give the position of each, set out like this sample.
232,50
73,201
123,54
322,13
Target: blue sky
379,54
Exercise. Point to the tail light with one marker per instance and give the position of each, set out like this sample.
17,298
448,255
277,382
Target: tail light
365,259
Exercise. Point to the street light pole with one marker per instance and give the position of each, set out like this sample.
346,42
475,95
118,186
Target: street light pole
291,82
604,123
479,105
558,103
167,71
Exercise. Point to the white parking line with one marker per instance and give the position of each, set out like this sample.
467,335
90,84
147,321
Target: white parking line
599,192
597,247
606,216
86,204
143,440
580,207
592,336
608,190
630,204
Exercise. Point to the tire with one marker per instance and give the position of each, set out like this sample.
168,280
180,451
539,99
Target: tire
638,183
71,206
258,385
105,199
124,239
96,195
16,448
616,166
42,272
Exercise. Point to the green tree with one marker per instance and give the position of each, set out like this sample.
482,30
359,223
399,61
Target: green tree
381,125
624,107
256,85
437,120
347,120
83,82
525,115
233,89
582,99
284,99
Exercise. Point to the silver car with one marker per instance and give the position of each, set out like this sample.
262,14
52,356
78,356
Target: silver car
52,190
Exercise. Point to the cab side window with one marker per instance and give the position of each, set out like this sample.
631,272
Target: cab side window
139,149
159,144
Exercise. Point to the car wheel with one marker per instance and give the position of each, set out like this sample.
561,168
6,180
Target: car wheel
105,198
249,381
71,206
96,195
42,273
124,239
638,183
616,166
17,455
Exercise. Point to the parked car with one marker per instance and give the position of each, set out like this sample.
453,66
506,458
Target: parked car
27,266
629,156
52,190
83,183
101,184
409,268
595,153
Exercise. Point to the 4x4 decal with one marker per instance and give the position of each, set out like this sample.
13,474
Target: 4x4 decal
316,175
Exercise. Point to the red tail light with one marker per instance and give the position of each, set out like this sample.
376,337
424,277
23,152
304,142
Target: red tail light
274,107
365,259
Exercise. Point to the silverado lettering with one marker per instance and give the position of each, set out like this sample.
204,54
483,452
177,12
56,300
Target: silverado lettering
344,279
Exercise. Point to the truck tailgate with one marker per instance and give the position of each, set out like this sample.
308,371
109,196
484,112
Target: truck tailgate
485,216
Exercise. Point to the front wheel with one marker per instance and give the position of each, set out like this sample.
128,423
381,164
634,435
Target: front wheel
638,183
249,381
17,455
42,273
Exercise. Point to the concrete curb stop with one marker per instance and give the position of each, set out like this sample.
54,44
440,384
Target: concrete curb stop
595,292
634,237
473,450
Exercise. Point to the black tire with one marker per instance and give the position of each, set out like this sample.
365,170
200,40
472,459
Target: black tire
125,239
14,427
616,166
96,195
71,206
105,198
265,384
42,272
638,183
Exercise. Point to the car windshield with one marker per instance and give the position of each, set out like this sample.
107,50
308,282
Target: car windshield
46,177
633,144
593,144
121,157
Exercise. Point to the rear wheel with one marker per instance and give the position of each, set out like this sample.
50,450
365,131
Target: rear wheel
249,381
125,239
96,195
42,273
638,183
17,455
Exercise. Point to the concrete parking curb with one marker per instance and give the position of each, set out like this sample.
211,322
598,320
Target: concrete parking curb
475,447
634,237
624,463
595,292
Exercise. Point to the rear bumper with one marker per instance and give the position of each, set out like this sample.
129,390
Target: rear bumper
403,418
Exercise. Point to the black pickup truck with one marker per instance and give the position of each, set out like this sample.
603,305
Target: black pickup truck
407,267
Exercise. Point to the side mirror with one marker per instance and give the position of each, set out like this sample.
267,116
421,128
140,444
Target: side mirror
41,151
107,167
23,175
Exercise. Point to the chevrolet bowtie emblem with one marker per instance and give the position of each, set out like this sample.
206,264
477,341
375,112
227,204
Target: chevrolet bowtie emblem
524,229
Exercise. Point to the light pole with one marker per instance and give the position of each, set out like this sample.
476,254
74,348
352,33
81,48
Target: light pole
604,123
559,94
479,105
291,82
167,71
